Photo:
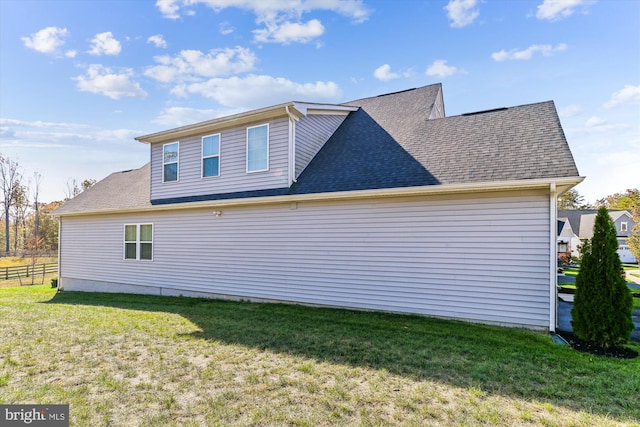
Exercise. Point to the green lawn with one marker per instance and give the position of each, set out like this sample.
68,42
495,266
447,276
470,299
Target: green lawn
573,271
147,360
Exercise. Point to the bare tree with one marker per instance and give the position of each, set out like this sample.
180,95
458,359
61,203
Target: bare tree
10,179
20,207
37,179
74,187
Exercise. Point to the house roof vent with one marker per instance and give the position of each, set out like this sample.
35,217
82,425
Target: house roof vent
475,113
395,93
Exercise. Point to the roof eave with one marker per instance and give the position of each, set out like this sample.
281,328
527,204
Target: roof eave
215,124
280,110
561,185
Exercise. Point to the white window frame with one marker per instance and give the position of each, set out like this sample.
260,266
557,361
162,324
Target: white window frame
177,162
203,157
624,227
137,242
247,147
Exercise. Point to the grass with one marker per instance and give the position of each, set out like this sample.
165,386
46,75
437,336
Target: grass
26,281
573,271
15,261
148,360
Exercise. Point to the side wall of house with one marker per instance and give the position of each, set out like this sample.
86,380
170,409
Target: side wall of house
233,167
311,133
454,257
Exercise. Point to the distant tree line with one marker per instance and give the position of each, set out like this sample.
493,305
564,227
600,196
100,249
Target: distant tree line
26,224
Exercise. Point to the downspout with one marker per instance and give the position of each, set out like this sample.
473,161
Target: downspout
292,146
60,287
553,258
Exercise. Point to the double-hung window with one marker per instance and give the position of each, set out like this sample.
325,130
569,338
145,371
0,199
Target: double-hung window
258,148
211,155
170,160
138,241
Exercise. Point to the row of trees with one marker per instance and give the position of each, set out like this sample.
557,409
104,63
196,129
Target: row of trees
628,201
26,223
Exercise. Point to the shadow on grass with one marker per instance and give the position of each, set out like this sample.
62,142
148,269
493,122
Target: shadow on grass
516,363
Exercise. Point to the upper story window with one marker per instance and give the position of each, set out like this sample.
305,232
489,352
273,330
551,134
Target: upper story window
623,227
211,155
258,148
138,241
170,159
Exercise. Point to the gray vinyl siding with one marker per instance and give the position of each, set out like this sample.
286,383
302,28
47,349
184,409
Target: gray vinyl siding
233,167
618,225
483,259
311,133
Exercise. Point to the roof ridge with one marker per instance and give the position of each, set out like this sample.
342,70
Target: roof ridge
392,93
499,109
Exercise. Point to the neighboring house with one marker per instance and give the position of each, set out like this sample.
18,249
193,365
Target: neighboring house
379,204
568,242
582,222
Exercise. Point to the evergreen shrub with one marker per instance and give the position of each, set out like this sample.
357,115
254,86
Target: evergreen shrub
602,308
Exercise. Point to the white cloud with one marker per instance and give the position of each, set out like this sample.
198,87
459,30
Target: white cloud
598,126
57,134
288,32
157,40
193,64
384,73
181,116
40,124
255,91
628,94
226,28
461,12
281,18
354,9
595,121
102,80
570,110
6,134
48,40
546,50
169,8
105,44
553,10
441,69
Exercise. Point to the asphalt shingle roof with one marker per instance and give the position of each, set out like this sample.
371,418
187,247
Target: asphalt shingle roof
120,190
390,142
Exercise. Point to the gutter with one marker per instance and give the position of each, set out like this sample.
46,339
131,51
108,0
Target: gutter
262,114
562,184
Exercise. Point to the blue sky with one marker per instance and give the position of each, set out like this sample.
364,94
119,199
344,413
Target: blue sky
80,79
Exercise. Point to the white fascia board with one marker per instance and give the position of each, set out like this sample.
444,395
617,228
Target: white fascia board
306,108
426,190
299,109
210,126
